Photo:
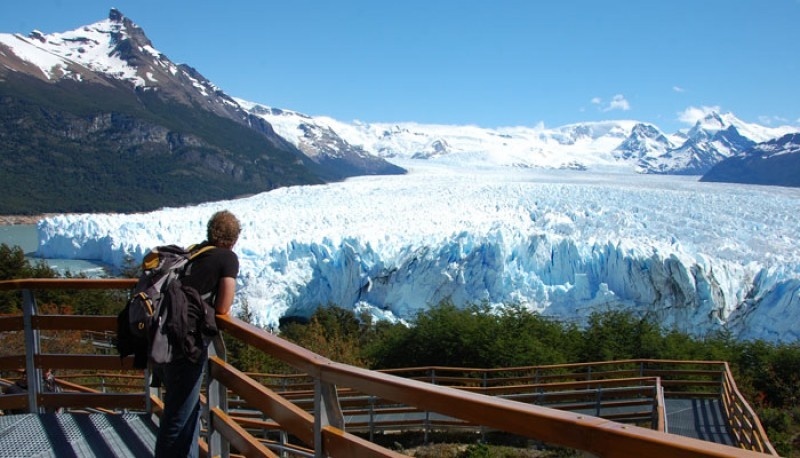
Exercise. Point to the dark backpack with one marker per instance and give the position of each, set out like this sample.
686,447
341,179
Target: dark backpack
164,320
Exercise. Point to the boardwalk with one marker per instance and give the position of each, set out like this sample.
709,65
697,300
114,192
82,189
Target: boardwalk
698,418
133,435
76,435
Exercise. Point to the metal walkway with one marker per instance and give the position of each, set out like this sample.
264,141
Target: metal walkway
133,435
77,435
698,418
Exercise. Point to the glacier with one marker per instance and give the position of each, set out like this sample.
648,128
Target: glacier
696,257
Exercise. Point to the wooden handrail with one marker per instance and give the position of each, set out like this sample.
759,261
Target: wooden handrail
598,436
734,403
67,283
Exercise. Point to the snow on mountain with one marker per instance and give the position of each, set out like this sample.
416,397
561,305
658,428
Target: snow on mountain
108,52
700,152
712,139
645,140
699,257
94,46
715,122
786,145
774,163
623,144
116,52
116,49
583,145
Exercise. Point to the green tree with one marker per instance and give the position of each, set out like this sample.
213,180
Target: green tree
333,332
250,359
14,265
616,335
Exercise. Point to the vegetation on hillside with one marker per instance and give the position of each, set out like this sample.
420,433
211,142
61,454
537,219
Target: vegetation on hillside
14,265
113,149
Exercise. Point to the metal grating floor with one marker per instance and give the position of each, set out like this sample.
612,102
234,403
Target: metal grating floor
698,418
77,435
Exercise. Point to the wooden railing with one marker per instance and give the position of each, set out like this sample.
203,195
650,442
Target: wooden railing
744,423
321,430
635,400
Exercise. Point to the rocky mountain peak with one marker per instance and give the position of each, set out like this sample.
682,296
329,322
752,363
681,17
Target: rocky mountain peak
115,15
128,28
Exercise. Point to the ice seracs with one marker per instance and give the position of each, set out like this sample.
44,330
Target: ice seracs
698,257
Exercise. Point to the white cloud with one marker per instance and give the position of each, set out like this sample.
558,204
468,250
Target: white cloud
678,89
617,102
693,114
769,120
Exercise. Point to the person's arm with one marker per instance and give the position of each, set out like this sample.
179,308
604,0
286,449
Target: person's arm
225,292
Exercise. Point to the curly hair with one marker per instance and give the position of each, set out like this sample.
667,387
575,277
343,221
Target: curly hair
223,228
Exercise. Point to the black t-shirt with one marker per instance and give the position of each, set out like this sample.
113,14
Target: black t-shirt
205,270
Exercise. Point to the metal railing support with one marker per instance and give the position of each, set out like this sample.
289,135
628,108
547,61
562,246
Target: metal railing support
32,348
371,418
327,412
217,398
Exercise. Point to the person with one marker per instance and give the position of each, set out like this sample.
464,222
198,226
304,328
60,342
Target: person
48,385
212,272
18,387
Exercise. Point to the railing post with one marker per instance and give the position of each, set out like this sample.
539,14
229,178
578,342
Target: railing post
599,401
284,440
371,418
427,427
32,348
217,398
327,412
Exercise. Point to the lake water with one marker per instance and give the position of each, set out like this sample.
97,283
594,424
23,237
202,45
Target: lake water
24,236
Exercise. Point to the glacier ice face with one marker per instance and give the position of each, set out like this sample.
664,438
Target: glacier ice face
698,257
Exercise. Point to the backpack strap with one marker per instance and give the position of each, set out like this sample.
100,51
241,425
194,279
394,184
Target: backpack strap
195,253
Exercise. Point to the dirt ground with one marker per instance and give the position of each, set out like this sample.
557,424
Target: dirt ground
11,220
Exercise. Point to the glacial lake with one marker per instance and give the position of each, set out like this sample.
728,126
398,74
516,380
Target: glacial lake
24,236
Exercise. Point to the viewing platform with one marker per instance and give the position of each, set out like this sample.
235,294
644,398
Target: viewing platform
104,407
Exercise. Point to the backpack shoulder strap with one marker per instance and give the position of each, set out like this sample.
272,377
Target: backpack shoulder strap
196,252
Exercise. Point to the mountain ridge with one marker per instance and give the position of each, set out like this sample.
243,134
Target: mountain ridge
621,144
774,162
112,60
92,99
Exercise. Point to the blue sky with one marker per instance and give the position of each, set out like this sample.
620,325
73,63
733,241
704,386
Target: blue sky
488,63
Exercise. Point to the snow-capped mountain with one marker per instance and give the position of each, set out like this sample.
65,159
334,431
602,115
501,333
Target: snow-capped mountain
775,162
320,143
645,141
592,145
586,145
112,50
117,50
97,96
711,140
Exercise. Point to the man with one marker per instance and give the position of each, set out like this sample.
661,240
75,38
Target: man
213,273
